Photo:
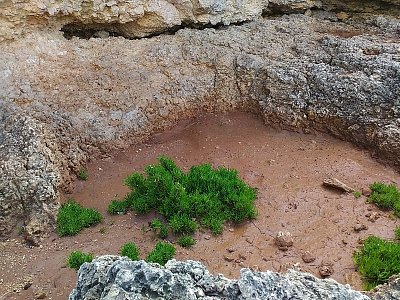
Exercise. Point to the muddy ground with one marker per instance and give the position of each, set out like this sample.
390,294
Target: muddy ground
287,168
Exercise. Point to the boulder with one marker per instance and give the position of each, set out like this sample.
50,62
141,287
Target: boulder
112,277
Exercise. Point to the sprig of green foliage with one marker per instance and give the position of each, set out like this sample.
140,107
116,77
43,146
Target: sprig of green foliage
72,218
385,196
203,196
130,250
162,253
377,261
77,258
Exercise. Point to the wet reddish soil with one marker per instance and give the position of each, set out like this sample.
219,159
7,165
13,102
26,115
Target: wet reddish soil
287,168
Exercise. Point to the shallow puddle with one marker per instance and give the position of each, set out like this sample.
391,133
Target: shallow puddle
287,168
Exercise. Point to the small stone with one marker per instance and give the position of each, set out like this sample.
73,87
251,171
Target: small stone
242,257
373,216
366,192
326,269
40,295
345,242
230,250
342,16
228,259
207,237
27,285
308,257
284,240
359,227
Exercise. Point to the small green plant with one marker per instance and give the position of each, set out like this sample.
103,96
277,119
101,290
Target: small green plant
162,253
377,261
356,194
186,241
130,250
117,207
203,196
78,258
72,218
21,230
159,228
83,174
385,196
397,233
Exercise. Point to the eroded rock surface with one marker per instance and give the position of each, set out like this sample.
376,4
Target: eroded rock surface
112,277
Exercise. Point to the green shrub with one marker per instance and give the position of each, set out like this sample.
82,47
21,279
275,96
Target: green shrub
117,207
385,196
356,194
159,228
397,233
377,261
72,218
186,241
83,174
78,258
130,250
204,195
162,253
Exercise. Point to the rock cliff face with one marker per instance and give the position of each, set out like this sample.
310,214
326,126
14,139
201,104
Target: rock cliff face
112,277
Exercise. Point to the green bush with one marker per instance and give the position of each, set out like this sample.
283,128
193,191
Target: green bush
159,228
186,241
130,250
397,233
162,253
117,207
83,174
72,218
203,196
78,258
377,261
385,196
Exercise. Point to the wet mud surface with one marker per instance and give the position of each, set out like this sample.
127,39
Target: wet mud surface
287,168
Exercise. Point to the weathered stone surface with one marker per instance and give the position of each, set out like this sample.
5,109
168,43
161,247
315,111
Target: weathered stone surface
111,277
389,291
29,176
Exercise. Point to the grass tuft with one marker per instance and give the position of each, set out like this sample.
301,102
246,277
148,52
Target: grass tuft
72,218
377,260
78,258
159,228
385,196
117,207
130,250
397,233
162,253
356,194
186,241
83,174
203,196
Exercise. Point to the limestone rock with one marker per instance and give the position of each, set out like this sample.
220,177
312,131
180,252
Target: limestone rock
112,277
284,240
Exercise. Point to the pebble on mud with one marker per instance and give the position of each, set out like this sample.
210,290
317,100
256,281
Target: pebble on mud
326,269
359,227
284,240
308,257
366,192
372,216
40,295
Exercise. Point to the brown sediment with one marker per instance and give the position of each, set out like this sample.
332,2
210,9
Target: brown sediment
287,169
